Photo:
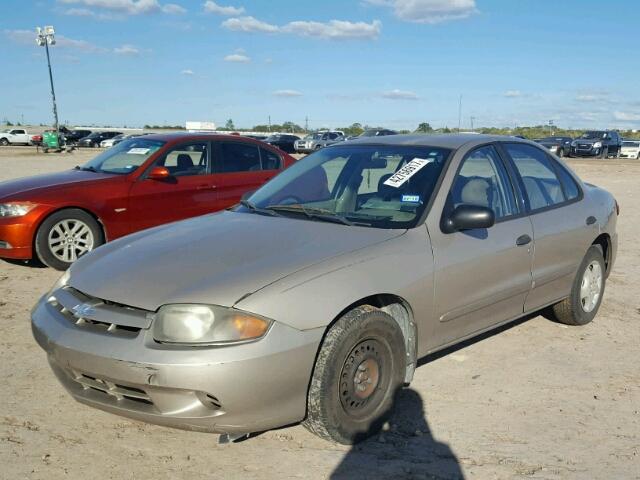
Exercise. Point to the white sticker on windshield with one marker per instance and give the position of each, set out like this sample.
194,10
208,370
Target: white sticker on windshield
138,151
408,171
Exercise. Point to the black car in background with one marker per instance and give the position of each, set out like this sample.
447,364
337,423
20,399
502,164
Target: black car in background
283,142
72,136
94,139
561,146
374,132
597,143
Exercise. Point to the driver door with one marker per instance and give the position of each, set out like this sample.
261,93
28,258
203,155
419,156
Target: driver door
188,192
482,276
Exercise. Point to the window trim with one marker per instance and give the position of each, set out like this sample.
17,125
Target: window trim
280,159
554,166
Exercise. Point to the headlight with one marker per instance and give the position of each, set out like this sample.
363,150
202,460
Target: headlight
15,209
206,324
597,145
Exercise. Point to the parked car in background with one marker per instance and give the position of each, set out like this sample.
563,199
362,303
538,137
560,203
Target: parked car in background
118,139
94,139
561,146
109,142
597,143
284,142
14,136
316,141
630,149
73,136
316,297
139,183
377,132
258,137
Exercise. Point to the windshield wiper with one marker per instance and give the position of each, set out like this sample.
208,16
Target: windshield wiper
85,169
312,213
254,208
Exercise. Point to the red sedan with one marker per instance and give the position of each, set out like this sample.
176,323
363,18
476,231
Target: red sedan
137,184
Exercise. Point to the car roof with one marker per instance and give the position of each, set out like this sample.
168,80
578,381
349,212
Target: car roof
451,141
176,136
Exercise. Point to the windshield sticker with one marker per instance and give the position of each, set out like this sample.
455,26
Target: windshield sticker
138,151
408,171
411,198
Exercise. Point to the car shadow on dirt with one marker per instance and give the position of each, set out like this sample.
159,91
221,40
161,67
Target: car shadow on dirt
406,449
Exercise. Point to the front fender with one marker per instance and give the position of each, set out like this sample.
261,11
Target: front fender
315,296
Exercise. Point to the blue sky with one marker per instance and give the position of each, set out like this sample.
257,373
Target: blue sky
379,62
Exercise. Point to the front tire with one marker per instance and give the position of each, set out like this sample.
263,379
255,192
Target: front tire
586,293
359,368
65,236
4,142
604,153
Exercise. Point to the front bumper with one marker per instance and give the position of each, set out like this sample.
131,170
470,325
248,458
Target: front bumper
581,152
630,154
234,389
16,238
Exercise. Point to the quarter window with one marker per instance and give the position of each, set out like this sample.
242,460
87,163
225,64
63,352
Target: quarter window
483,180
569,185
540,181
270,160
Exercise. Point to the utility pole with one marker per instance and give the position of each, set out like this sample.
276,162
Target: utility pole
45,37
472,118
306,124
459,112
269,123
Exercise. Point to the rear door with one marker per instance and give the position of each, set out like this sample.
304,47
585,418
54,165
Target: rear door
188,192
561,229
240,167
482,276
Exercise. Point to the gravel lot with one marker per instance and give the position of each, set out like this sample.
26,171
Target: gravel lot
536,400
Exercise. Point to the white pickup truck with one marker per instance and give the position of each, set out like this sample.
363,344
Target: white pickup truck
14,136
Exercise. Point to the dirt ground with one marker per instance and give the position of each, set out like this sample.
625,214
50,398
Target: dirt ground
536,400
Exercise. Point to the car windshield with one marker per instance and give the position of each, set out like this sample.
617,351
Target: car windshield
374,186
124,157
593,134
631,144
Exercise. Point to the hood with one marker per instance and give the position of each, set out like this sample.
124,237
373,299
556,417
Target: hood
215,259
19,189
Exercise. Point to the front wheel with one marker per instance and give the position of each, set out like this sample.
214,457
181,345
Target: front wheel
4,142
604,153
359,368
586,293
65,236
561,153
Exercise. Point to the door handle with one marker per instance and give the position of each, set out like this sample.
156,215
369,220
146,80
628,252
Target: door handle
206,187
523,240
591,220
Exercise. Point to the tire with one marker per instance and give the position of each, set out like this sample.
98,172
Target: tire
4,142
638,156
605,152
365,341
95,145
561,153
572,311
56,250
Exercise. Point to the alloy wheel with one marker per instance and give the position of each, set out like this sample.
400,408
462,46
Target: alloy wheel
69,239
591,286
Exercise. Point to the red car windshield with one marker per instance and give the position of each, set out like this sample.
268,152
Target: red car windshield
125,157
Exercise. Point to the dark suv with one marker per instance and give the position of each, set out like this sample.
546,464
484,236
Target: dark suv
597,143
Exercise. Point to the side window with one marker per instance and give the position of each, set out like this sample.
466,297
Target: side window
569,185
333,136
186,159
483,180
539,178
237,157
270,160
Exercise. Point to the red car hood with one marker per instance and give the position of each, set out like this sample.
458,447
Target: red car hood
23,188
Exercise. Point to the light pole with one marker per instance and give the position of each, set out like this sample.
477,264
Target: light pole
44,38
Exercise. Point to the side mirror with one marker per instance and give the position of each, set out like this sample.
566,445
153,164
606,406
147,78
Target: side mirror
468,217
159,173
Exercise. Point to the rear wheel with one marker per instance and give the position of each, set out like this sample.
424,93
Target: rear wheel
360,366
586,294
65,236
